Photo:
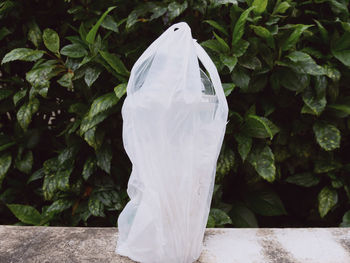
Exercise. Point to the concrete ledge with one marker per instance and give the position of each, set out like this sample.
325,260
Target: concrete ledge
240,245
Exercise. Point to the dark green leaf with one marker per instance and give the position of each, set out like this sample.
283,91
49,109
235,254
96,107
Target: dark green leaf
5,93
342,105
220,217
74,51
66,80
225,163
323,31
5,163
59,206
39,79
260,6
89,167
51,40
68,154
244,144
325,165
315,98
90,37
240,48
4,32
281,7
266,203
24,54
25,213
238,30
24,163
224,47
290,42
264,33
91,75
120,90
327,199
291,80
229,61
34,33
327,135
94,137
242,216
332,72
250,62
96,207
89,122
240,77
102,103
210,222
263,160
38,174
115,63
19,95
259,127
110,24
104,157
175,9
346,220
222,2
26,112
303,179
62,177
302,63
340,48
228,88
216,26
214,45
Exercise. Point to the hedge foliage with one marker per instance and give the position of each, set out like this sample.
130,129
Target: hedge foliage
284,65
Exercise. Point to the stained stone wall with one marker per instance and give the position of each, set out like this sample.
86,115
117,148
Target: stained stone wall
241,245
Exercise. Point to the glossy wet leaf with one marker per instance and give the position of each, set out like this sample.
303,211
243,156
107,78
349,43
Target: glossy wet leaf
26,112
74,51
259,127
24,54
115,62
91,75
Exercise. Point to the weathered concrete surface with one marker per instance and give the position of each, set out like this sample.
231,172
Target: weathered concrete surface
241,245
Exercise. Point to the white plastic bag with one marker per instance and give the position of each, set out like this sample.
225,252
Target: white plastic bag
174,120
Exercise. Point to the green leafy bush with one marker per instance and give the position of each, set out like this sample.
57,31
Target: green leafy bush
284,67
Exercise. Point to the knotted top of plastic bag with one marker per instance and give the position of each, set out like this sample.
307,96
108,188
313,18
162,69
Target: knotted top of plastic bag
172,61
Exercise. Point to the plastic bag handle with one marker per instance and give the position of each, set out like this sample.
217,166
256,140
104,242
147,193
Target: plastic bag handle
214,75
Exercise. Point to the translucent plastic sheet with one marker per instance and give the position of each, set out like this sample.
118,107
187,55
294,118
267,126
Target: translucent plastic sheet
174,121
